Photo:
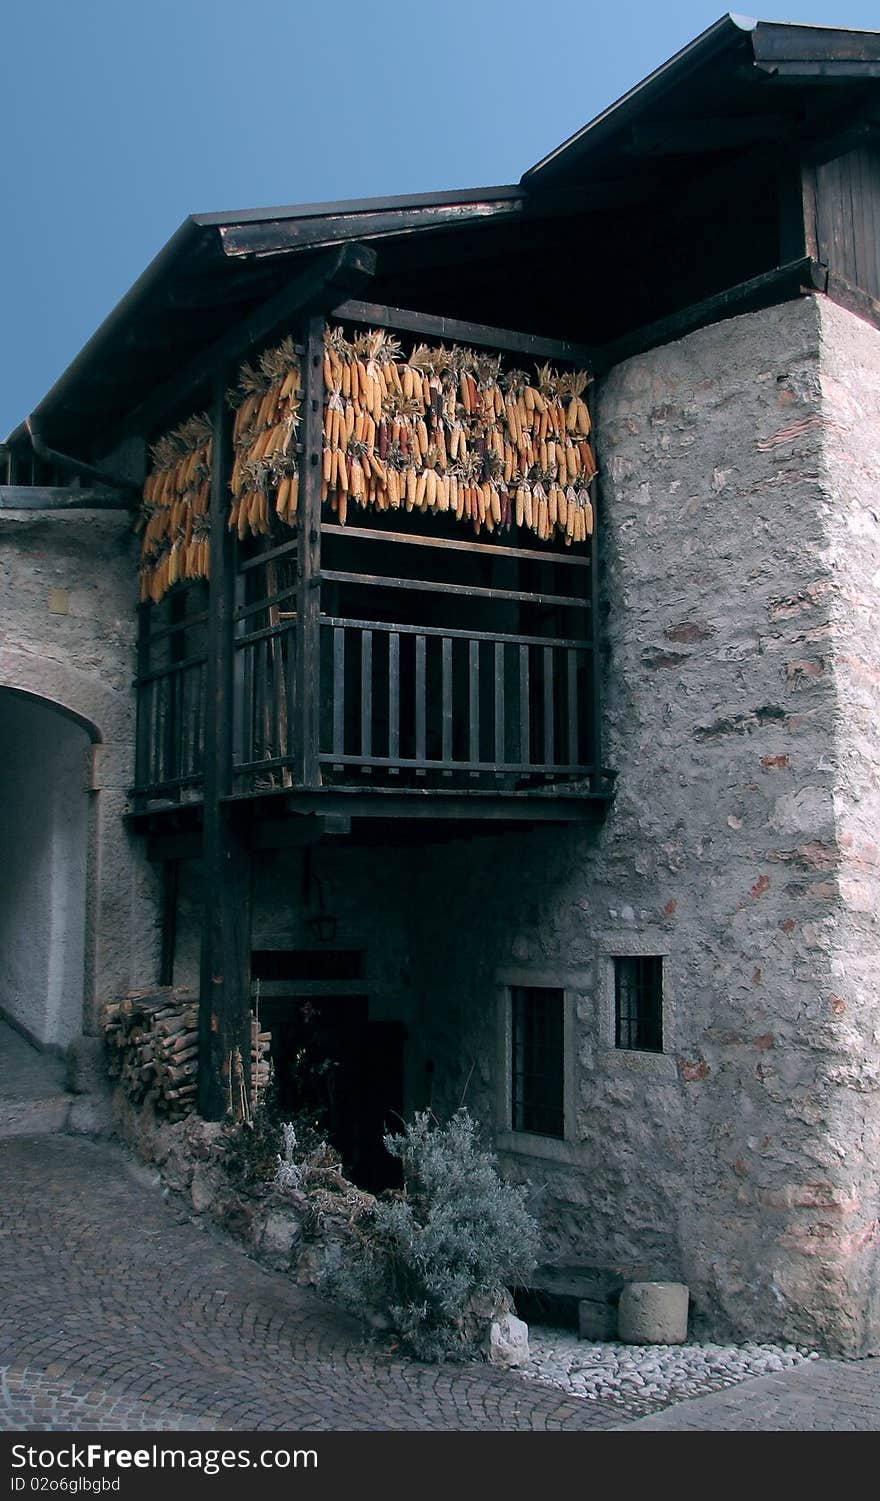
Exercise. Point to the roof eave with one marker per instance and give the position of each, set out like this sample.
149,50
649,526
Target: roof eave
184,236
714,39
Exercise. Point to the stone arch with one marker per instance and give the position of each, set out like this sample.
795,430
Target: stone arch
86,724
105,713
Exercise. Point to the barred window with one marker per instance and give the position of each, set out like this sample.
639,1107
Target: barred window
537,1078
638,1003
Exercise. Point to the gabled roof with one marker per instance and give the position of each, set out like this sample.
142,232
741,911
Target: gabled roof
740,86
740,83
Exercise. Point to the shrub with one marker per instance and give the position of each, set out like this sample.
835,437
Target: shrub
436,1257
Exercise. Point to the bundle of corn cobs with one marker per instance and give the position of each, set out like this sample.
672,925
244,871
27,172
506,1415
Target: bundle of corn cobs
265,461
444,430
174,515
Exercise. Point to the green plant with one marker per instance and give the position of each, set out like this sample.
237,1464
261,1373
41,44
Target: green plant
434,1257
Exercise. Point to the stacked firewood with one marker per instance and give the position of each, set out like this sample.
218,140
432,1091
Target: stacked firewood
174,516
153,1048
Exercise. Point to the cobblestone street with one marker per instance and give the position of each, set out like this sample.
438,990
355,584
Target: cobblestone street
120,1312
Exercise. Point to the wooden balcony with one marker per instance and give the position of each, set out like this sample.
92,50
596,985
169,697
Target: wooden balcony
452,675
391,667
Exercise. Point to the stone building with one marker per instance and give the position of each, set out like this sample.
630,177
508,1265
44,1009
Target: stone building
653,973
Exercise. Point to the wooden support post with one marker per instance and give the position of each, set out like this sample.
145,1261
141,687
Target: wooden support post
307,765
224,1005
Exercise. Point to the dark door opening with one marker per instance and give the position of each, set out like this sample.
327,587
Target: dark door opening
344,1074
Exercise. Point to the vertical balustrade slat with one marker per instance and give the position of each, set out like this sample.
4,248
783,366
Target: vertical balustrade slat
548,706
524,750
338,691
474,700
393,695
273,745
260,697
420,699
290,677
446,696
499,701
366,693
180,725
197,752
573,747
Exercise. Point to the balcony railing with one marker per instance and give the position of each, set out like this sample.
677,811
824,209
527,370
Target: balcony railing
429,661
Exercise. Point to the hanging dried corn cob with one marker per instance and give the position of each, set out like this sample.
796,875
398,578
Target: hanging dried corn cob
265,475
442,430
174,516
445,430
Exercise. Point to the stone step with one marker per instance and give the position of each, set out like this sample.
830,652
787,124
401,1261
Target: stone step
41,1117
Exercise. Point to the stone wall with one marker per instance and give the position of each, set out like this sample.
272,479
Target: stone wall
741,1159
68,594
850,372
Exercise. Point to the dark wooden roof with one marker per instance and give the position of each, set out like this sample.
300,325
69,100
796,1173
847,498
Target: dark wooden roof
641,191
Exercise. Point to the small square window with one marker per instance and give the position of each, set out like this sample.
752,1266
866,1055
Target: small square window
638,1003
537,1073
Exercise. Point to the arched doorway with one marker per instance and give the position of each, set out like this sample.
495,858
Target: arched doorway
44,844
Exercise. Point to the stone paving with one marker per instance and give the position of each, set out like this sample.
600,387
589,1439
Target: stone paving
825,1396
119,1310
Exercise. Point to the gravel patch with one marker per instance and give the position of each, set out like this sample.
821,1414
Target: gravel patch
649,1376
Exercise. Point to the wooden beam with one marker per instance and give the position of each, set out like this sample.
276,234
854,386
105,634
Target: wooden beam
854,299
277,236
224,992
344,270
433,804
307,766
61,498
430,326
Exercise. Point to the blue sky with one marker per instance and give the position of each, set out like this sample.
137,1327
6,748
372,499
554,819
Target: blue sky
118,118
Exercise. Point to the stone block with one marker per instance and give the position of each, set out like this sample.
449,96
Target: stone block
508,1341
280,1233
653,1313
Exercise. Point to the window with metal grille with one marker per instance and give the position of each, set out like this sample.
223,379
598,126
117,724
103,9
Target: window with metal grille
537,1060
638,1003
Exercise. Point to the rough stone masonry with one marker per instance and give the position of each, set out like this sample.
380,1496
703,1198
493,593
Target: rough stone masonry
741,596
